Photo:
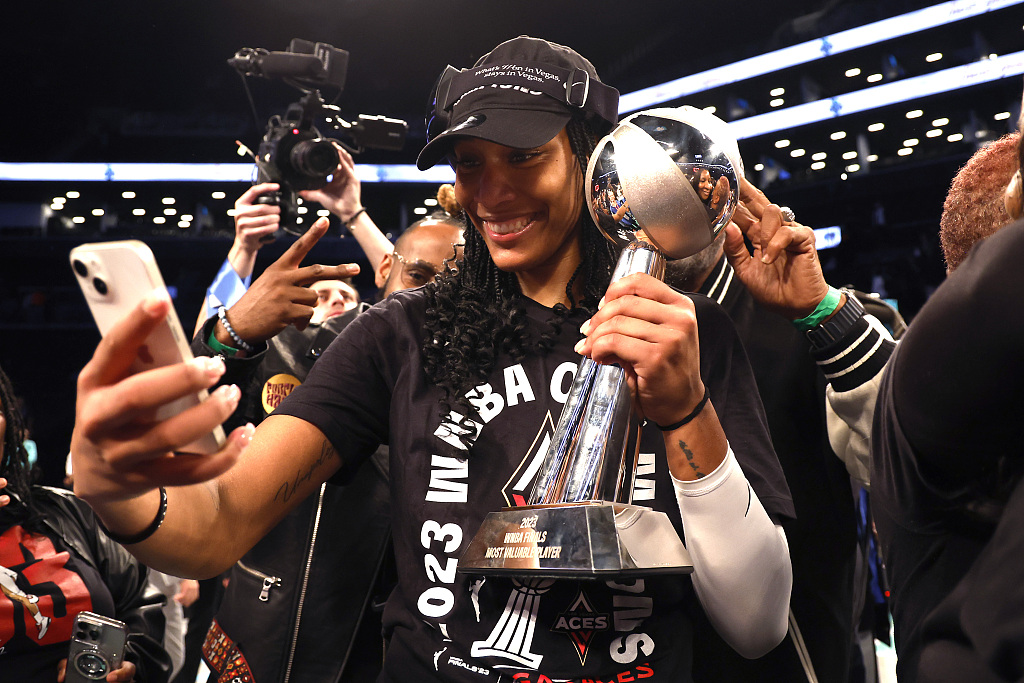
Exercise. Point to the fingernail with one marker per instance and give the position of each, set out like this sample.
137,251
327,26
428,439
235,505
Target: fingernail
579,347
211,366
600,304
153,300
764,259
585,327
245,436
228,393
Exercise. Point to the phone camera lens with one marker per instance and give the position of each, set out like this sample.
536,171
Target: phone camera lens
91,665
80,268
100,285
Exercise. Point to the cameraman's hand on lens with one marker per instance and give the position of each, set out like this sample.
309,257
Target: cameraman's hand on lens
783,273
281,295
343,195
125,674
119,451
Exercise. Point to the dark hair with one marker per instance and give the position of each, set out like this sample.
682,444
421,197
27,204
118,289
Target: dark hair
479,312
15,466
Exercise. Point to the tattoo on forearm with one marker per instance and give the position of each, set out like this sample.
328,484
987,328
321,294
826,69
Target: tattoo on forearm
689,459
288,488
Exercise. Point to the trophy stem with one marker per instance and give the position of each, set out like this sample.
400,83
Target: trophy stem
589,454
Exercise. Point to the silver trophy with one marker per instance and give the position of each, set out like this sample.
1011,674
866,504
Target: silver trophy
661,185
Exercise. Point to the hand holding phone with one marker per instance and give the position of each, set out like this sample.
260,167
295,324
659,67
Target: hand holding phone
115,277
96,649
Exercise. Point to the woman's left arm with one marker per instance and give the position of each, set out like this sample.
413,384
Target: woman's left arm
742,571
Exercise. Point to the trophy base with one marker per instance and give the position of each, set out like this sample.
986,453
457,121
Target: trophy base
590,539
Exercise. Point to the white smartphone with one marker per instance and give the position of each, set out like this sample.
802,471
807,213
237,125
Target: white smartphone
115,277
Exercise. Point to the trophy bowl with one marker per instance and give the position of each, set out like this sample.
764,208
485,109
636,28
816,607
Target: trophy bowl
670,174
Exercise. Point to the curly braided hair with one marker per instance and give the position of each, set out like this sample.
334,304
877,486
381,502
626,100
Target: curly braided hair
14,466
479,313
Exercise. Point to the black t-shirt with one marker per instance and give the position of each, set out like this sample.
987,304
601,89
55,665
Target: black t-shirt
946,451
370,388
43,587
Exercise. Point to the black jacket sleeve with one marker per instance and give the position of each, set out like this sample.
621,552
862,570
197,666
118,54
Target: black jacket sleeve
954,371
238,371
126,578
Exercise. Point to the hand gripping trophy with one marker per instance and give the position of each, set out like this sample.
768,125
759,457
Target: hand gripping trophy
662,184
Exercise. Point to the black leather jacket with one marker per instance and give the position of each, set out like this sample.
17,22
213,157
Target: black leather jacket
135,603
295,603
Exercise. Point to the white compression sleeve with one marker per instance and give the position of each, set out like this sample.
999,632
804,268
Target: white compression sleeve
741,568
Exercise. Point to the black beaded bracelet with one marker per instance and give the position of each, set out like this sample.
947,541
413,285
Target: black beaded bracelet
354,216
222,313
694,413
148,531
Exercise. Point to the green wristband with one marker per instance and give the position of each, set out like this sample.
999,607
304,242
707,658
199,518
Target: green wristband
215,344
824,309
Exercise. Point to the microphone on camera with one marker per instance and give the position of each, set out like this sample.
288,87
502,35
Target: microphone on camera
277,64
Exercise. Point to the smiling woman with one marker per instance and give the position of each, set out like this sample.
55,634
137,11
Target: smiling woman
463,378
519,143
526,205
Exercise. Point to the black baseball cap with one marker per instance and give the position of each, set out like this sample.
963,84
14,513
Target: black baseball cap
520,94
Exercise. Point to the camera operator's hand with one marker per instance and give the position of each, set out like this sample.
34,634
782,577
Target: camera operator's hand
281,296
126,674
255,224
343,195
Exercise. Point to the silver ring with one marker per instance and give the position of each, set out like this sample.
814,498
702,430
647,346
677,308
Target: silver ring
788,214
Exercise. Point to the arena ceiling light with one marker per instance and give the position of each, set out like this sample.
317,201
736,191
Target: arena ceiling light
812,50
885,95
201,173
781,119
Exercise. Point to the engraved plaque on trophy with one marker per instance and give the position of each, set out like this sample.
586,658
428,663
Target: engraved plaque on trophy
662,184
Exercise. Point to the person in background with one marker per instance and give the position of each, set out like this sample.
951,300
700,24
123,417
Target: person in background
823,537
179,596
55,562
326,580
945,480
333,297
257,221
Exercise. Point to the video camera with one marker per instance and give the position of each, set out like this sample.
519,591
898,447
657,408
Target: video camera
293,151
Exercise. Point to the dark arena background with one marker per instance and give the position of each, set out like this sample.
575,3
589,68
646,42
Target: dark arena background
855,114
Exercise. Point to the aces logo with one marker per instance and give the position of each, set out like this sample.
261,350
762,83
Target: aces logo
580,622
